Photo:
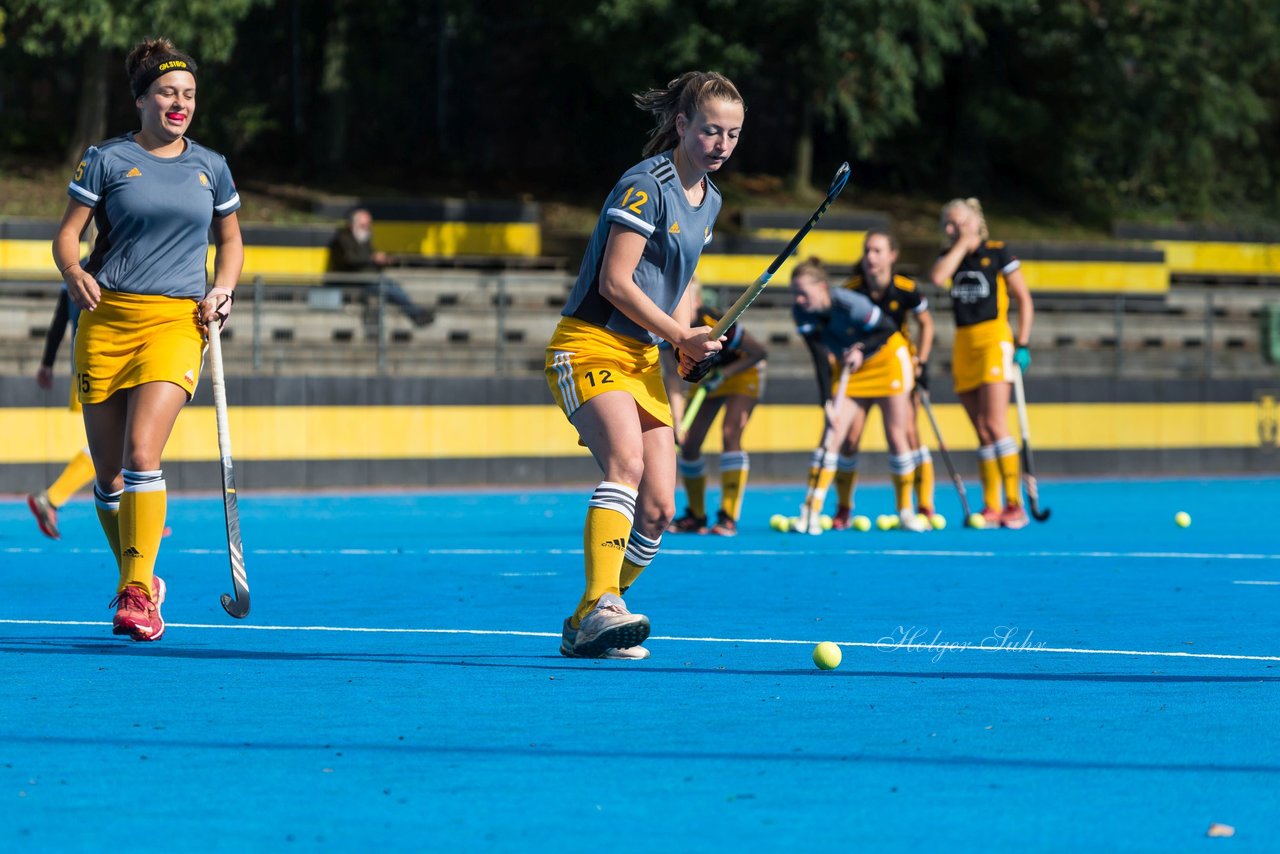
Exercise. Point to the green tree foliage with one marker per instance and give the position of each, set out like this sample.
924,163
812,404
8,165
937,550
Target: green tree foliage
1094,106
94,29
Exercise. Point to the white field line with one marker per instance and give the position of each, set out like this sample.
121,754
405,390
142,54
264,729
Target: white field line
883,647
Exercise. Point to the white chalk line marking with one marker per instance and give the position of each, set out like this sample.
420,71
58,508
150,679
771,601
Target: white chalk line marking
884,647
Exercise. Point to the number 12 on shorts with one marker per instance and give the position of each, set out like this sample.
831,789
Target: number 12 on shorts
605,377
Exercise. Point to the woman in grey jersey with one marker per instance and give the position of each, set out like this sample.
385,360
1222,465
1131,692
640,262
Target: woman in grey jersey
602,360
154,195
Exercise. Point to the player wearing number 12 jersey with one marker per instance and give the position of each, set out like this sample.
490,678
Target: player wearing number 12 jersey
602,360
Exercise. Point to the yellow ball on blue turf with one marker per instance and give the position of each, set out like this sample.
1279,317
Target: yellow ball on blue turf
861,523
827,656
826,522
884,522
938,521
977,521
1183,518
779,522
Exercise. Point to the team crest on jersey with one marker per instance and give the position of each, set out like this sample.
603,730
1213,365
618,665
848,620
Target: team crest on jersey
135,172
675,227
893,305
204,181
986,262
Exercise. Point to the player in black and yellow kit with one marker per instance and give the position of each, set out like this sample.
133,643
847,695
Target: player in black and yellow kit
735,387
983,276
898,297
154,195
602,360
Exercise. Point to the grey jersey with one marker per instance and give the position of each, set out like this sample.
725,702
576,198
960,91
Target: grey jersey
153,215
853,318
649,200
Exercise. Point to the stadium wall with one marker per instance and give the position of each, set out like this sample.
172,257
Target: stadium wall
300,432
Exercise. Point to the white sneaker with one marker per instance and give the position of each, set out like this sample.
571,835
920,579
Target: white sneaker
569,636
909,520
610,626
808,522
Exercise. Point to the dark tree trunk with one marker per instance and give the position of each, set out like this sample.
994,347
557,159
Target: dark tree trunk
802,173
91,114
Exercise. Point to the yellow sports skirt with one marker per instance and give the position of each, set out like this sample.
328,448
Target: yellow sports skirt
584,360
132,339
887,373
749,383
982,354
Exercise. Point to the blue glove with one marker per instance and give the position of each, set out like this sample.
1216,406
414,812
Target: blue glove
1022,357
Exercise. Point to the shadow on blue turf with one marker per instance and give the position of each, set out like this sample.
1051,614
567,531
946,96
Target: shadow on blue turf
77,646
680,756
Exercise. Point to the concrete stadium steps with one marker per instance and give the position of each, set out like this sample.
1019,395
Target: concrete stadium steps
489,321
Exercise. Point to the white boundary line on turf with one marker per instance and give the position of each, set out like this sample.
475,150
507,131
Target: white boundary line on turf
691,553
1260,583
889,647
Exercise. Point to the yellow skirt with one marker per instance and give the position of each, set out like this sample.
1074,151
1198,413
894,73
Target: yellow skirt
584,360
889,372
982,354
749,383
132,339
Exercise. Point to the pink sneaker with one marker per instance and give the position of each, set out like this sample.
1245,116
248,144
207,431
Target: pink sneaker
46,514
841,521
1014,517
136,615
991,517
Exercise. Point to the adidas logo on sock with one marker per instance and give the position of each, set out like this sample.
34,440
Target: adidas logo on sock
131,552
619,543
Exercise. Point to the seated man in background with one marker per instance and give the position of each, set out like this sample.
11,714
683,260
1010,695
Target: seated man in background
351,251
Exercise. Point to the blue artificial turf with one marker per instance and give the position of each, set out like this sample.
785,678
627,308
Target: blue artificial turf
455,724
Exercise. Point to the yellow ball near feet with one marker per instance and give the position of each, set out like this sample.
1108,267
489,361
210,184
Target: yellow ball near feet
884,522
827,656
861,523
779,522
1183,518
976,521
938,521
826,522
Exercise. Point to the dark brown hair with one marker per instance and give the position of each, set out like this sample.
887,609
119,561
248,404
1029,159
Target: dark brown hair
152,58
882,232
685,95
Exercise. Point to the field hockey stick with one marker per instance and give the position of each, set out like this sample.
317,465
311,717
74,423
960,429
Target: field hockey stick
238,606
946,457
691,412
1028,464
827,444
749,295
